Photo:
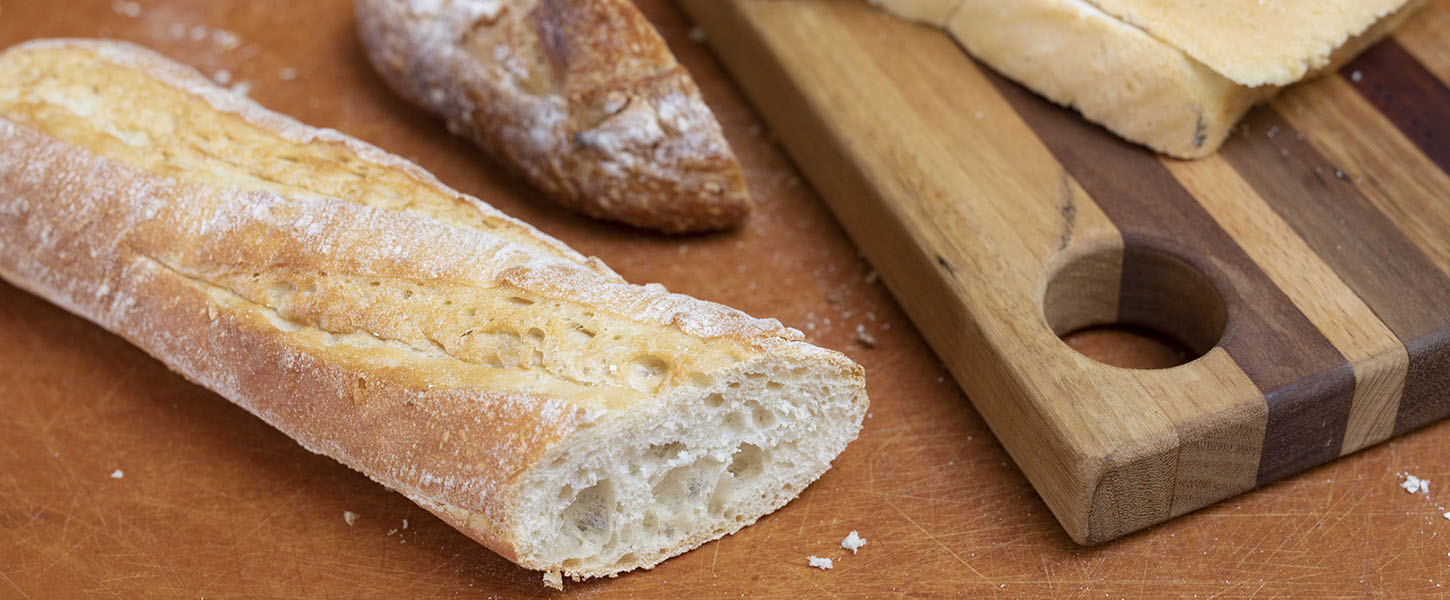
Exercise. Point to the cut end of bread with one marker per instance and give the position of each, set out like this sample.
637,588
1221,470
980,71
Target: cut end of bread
707,460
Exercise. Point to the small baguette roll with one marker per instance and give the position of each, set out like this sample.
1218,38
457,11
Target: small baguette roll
527,395
580,97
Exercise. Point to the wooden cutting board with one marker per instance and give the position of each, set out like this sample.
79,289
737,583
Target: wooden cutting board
1308,261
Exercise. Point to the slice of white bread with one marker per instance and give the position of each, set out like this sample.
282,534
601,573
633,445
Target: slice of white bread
529,396
1173,76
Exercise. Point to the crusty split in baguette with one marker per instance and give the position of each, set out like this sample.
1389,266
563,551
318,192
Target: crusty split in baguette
1173,76
581,97
529,396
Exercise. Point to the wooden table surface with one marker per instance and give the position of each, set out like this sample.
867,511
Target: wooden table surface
121,479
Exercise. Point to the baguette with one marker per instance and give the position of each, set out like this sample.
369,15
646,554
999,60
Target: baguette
581,97
570,421
1173,76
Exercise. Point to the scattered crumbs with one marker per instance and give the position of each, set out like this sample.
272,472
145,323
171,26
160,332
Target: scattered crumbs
117,474
176,30
242,88
1273,131
864,337
198,33
392,531
853,542
1356,76
1446,515
820,563
834,298
350,517
129,9
1338,173
287,74
405,523
554,579
226,39
222,76
697,35
1415,485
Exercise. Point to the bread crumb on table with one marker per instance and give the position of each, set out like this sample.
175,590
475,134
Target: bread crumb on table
853,541
350,517
117,474
820,563
125,8
1415,485
864,337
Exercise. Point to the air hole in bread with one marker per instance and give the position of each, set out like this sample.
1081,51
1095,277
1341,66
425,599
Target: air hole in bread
587,518
763,417
647,372
665,452
650,524
535,334
748,461
735,421
715,400
520,300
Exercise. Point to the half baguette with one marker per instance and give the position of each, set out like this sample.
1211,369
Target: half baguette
570,421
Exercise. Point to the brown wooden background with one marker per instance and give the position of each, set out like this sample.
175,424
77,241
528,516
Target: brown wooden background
213,503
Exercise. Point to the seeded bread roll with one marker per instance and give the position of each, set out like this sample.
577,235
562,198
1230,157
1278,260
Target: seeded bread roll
581,97
1173,76
527,395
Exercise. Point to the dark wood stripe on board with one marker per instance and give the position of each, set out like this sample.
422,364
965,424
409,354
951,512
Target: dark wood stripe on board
1408,94
1374,258
1307,383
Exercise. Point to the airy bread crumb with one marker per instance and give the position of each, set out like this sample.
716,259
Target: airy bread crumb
350,517
820,563
554,579
1415,485
853,542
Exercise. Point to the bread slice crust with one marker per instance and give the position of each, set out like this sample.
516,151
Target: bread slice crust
1122,74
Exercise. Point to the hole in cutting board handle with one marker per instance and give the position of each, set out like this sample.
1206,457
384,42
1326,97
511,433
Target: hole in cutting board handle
1134,307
